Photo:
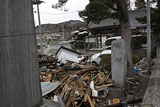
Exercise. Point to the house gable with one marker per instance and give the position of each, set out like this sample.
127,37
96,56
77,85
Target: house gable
65,54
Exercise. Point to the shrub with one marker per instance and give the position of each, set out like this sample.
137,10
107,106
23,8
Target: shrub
106,60
135,58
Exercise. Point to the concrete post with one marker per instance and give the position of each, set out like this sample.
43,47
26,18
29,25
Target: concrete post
19,75
148,37
119,62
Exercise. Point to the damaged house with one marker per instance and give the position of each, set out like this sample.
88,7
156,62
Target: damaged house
65,54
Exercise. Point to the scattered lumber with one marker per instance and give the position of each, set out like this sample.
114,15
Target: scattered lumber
74,82
90,101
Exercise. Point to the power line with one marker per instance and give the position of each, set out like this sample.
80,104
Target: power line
59,13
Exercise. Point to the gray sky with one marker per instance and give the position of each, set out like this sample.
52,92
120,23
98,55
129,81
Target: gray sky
50,15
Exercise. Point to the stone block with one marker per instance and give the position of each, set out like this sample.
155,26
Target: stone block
119,62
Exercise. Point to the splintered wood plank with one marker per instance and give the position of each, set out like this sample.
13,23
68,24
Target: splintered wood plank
84,67
90,101
48,78
103,86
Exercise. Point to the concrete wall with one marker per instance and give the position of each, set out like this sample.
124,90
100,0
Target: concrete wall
152,94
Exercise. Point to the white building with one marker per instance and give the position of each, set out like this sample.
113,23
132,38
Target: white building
65,54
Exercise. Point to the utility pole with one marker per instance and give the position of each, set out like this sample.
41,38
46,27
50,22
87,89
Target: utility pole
148,37
40,28
37,2
19,75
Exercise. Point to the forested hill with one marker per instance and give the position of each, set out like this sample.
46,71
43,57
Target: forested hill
68,26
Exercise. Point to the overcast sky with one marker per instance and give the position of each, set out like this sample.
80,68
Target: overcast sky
50,15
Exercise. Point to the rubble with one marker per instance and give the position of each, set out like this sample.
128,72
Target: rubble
48,87
72,81
142,64
72,84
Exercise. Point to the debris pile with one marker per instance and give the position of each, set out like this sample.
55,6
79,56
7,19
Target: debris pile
76,84
73,84
48,61
142,64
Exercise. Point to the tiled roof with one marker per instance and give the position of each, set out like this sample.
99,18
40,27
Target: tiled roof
133,14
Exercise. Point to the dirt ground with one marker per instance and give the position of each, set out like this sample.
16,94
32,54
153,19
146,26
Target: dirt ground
139,86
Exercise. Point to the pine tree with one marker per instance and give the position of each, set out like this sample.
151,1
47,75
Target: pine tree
139,4
155,24
98,10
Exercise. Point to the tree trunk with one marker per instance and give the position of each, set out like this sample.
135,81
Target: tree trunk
158,4
19,76
126,34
